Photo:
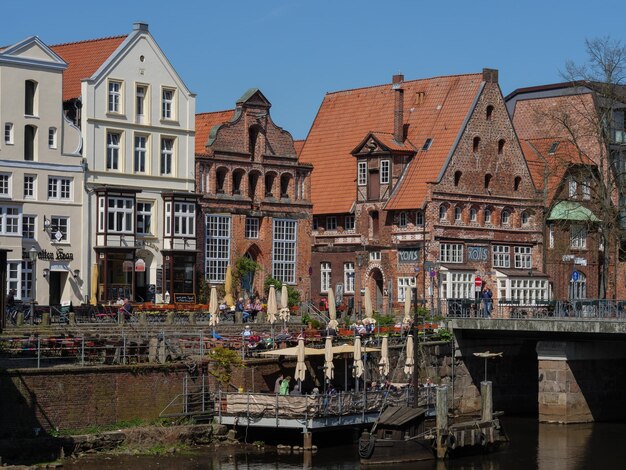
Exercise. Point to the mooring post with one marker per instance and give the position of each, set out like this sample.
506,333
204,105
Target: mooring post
308,440
486,398
442,420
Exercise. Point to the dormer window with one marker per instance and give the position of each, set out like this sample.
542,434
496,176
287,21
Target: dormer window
489,113
384,171
516,183
362,174
419,218
476,144
331,222
427,143
457,178
402,219
553,148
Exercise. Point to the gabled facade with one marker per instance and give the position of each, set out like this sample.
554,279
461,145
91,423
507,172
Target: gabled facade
424,189
41,178
137,121
255,197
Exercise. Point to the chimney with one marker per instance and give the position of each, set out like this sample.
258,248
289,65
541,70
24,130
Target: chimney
398,108
140,26
490,75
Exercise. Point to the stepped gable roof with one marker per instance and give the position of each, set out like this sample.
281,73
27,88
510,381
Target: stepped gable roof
434,108
207,121
83,59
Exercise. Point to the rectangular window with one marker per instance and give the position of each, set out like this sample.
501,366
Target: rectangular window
140,153
284,250
59,188
316,223
419,218
501,256
167,146
167,104
375,256
384,172
578,237
523,257
10,220
52,137
325,273
451,253
28,227
573,188
362,174
184,219
331,222
349,222
20,278
140,103
120,215
405,285
113,150
348,277
457,285
60,228
217,247
586,189
551,236
8,133
5,184
528,291
252,227
115,93
144,218
29,186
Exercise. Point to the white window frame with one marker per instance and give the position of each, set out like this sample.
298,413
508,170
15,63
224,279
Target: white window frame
572,188
184,219
52,137
167,103
525,290
404,283
349,277
473,214
9,134
114,96
29,226
458,214
505,217
252,228
60,223
119,219
11,220
403,219
375,256
284,250
578,237
419,218
325,274
20,278
501,256
348,222
144,217
551,236
113,150
443,212
30,186
451,252
140,153
487,215
5,185
361,174
166,163
59,188
140,102
456,284
331,222
585,188
523,257
217,255
385,171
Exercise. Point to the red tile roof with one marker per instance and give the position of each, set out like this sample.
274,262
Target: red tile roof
298,144
387,139
83,59
434,108
204,123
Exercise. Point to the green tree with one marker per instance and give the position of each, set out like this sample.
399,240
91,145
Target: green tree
293,294
222,363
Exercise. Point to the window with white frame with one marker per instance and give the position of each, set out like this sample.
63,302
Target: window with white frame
443,212
349,276
578,237
167,103
10,220
362,174
5,184
473,215
28,227
140,102
284,250
405,285
487,216
526,291
59,188
578,288
523,257
506,216
348,222
451,253
331,222
167,155
525,218
457,214
29,186
551,236
184,219
20,278
419,218
384,171
8,133
119,215
115,96
456,285
586,189
501,256
113,150
144,218
217,247
325,273
52,137
141,143
375,256
573,188
60,225
402,219
252,227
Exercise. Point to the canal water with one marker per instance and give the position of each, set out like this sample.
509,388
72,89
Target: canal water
533,445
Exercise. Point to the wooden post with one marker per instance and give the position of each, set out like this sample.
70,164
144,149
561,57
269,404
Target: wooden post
486,398
308,440
143,318
442,420
192,318
72,319
45,318
169,319
120,318
152,349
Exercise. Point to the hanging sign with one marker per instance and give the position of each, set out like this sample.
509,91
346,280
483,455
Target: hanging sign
140,266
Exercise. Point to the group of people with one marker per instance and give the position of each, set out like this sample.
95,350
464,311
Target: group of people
249,308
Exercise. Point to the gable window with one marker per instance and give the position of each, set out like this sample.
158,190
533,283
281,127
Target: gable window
144,218
29,186
487,216
252,227
458,212
451,253
457,177
516,183
8,133
167,103
427,143
489,113
5,184
140,153
167,155
217,247
578,237
60,227
348,278
115,94
284,250
476,144
10,220
525,218
419,218
331,222
501,143
325,273
384,172
59,188
362,174
113,150
284,184
348,222
220,176
30,133
269,184
473,215
28,227
501,256
443,212
506,216
487,180
52,137
523,257
30,98
140,103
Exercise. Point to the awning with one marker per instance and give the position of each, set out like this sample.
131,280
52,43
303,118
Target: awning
570,210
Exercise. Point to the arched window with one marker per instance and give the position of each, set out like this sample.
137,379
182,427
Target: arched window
501,143
487,216
516,182
457,177
419,218
269,184
285,178
476,144
487,180
458,214
578,287
253,137
374,223
489,112
30,93
443,212
237,178
253,180
402,219
473,215
30,133
221,180
525,218
505,217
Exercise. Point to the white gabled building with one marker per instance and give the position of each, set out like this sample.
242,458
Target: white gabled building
137,119
41,178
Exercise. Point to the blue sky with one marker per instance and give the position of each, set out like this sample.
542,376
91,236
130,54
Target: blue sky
295,51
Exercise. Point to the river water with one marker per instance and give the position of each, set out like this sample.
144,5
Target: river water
533,445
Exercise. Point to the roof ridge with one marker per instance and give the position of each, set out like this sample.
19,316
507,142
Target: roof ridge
89,40
215,112
406,81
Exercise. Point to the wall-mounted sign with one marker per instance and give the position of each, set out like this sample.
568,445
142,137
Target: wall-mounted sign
140,266
477,253
60,255
127,266
408,255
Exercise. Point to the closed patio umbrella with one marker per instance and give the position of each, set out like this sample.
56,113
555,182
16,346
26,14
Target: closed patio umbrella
407,307
284,304
332,311
358,359
228,287
329,367
214,319
383,364
94,284
410,361
272,309
369,311
300,372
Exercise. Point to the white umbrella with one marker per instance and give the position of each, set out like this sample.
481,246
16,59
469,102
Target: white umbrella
214,319
272,310
284,304
300,366
410,361
332,311
329,367
383,364
407,307
358,360
369,311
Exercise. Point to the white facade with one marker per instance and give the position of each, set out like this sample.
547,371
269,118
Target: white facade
41,178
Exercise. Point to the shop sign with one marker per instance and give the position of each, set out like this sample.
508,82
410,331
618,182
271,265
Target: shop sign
60,255
127,266
408,255
140,266
477,253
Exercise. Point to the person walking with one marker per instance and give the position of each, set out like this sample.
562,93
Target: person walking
486,296
277,384
284,386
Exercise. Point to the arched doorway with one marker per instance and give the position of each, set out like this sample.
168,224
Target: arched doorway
249,277
376,288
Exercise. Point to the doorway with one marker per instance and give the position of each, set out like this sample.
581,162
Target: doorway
55,282
377,277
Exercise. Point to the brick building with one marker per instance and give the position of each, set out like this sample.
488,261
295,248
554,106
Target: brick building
422,185
255,196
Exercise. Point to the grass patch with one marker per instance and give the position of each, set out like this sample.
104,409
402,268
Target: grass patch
100,428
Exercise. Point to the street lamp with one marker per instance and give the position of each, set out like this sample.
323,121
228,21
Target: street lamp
32,255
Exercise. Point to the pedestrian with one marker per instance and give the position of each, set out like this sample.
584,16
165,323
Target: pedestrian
277,384
284,386
486,296
11,298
